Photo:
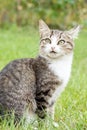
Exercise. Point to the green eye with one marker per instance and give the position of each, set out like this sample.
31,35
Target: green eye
47,40
61,42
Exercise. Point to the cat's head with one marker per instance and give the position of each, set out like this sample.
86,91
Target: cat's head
56,43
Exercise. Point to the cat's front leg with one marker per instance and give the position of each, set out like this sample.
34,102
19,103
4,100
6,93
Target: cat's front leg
50,112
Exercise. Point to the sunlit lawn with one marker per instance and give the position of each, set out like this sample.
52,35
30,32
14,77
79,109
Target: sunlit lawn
71,107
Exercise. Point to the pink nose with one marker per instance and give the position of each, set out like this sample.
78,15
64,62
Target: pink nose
52,48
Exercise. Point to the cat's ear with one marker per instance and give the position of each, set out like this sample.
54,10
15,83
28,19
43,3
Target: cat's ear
43,28
74,32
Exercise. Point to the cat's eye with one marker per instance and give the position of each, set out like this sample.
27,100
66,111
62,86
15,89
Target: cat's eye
47,40
61,42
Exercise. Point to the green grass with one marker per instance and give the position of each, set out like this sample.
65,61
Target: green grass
71,107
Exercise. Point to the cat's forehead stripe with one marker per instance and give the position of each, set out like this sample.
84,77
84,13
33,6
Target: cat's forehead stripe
51,34
60,35
57,33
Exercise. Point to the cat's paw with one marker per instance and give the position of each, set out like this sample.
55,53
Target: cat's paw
35,128
55,124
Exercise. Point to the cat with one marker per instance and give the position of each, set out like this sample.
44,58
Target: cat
30,87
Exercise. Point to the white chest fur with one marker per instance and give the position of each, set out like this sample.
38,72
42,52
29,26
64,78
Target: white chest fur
62,69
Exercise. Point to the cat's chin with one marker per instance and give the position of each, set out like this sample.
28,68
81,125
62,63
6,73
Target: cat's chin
54,56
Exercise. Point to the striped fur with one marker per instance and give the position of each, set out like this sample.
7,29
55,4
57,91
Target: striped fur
30,87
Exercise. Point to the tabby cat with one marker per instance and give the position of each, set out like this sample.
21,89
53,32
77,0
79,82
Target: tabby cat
30,87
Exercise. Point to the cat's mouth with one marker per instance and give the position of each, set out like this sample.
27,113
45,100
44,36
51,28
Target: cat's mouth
53,52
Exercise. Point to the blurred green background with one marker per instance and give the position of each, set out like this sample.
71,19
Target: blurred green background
57,13
19,38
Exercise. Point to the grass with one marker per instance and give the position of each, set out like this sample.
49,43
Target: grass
71,107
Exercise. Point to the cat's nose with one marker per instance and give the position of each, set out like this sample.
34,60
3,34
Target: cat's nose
52,48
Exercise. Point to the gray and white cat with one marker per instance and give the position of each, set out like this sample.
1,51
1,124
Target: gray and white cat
30,87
